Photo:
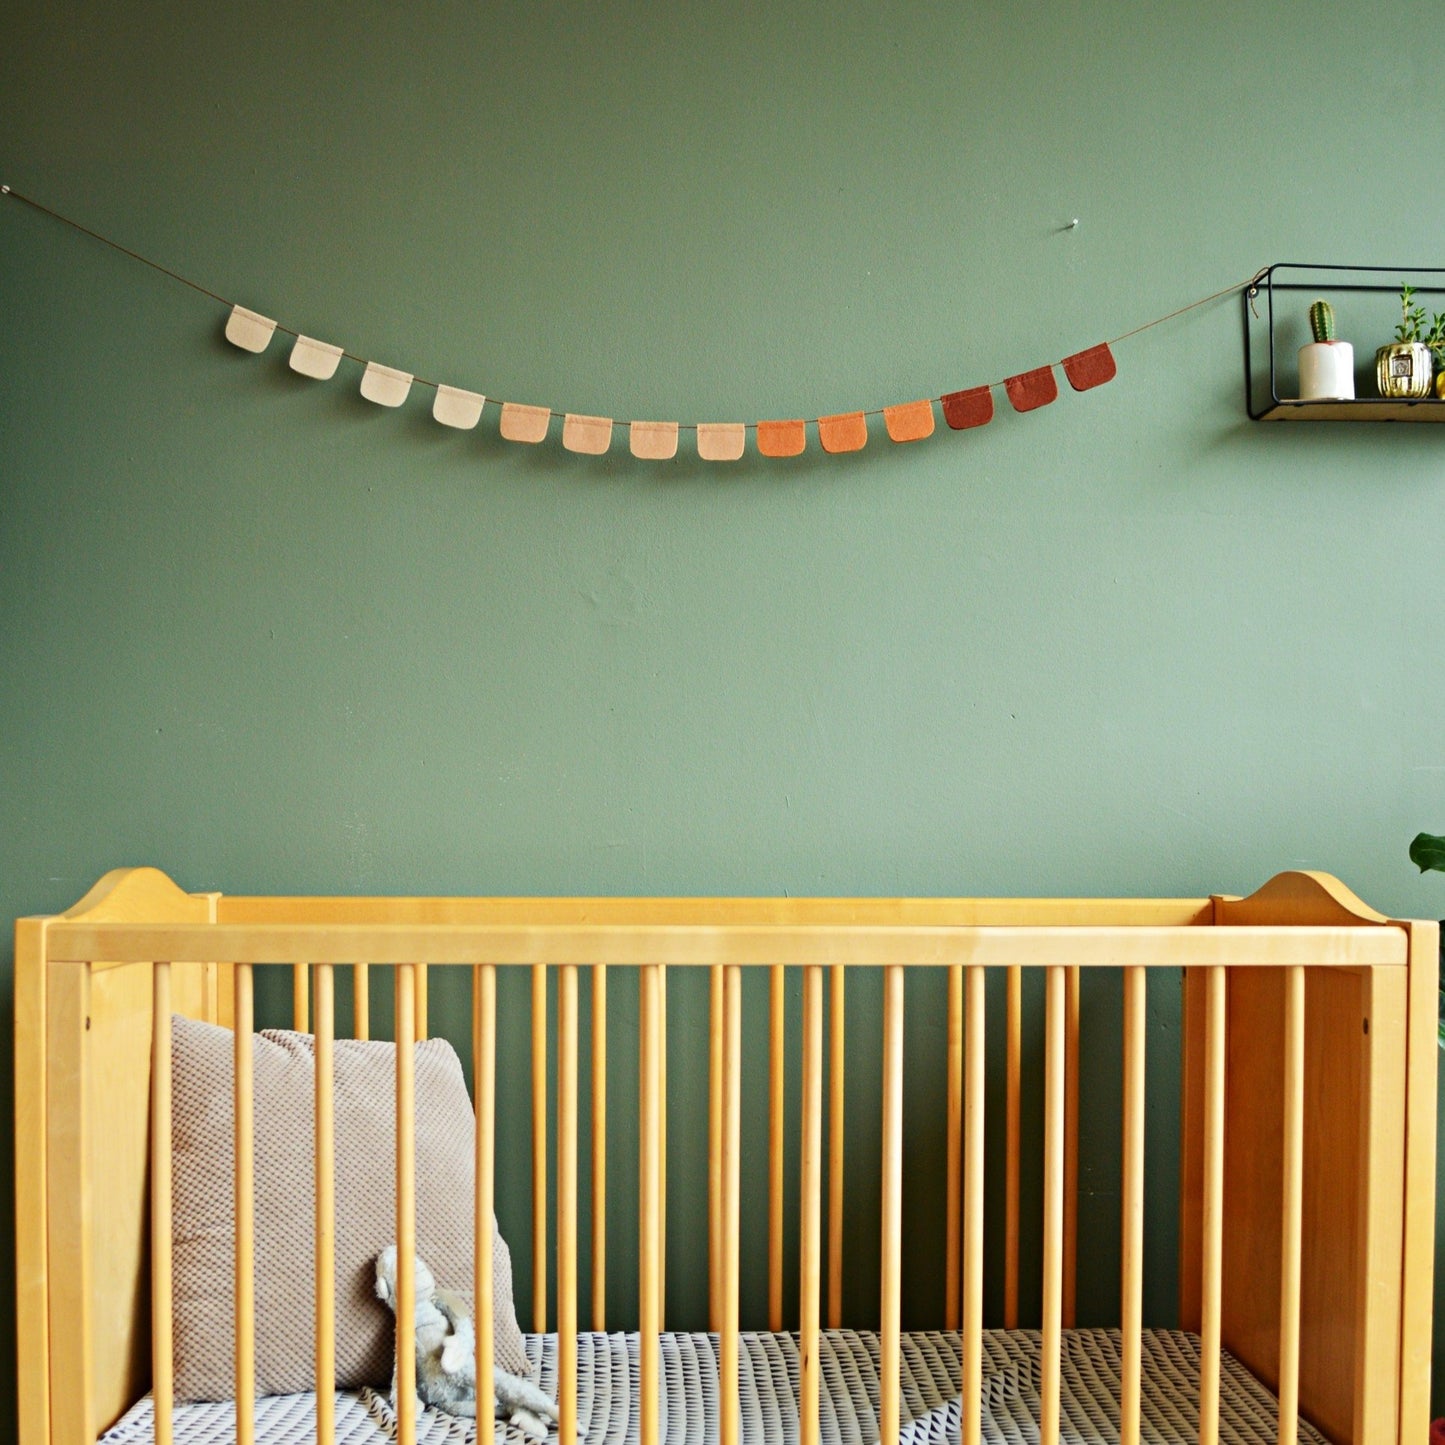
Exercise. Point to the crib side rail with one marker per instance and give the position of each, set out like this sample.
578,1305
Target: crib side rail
741,945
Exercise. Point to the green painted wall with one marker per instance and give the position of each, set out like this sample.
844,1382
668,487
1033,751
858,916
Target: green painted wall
270,638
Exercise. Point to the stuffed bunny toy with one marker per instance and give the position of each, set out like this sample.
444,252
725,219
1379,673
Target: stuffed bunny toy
446,1355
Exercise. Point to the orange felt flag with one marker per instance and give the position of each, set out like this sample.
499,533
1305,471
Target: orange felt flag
846,432
782,438
910,422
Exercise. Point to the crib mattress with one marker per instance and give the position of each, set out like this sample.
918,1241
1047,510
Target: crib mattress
768,1382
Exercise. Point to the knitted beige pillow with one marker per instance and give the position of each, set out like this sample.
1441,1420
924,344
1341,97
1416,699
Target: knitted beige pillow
204,1219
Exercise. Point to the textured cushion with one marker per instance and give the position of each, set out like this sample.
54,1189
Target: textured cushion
203,1201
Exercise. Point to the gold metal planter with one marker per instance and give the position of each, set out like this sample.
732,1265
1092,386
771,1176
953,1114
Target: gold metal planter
1404,369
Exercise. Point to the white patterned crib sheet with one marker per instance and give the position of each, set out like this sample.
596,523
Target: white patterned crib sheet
607,1371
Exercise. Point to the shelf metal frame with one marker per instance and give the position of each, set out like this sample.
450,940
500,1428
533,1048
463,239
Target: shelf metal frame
1284,408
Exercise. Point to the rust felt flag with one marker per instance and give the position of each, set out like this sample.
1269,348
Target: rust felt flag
1090,368
964,409
1032,389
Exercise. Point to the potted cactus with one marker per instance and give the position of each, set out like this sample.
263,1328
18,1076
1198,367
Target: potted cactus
1326,365
1406,367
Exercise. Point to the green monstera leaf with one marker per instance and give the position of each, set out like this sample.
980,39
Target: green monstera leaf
1427,852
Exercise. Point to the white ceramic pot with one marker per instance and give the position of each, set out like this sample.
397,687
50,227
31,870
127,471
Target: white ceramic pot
1327,371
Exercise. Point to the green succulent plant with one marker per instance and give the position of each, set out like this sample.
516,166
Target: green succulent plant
1416,324
1427,852
1413,319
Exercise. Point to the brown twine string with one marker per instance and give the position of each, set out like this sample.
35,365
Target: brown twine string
491,401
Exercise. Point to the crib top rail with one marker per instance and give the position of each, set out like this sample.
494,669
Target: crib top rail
133,916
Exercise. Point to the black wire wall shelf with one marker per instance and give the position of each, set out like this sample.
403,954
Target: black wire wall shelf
1266,337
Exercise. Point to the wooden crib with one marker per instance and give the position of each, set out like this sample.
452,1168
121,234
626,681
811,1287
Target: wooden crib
1307,1127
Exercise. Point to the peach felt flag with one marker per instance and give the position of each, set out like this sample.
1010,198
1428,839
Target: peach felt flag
1090,368
249,330
782,438
590,435
910,422
458,408
720,441
653,441
385,385
964,409
1032,389
525,423
846,432
316,359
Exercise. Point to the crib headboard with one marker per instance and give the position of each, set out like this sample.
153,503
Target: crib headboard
82,1086
1370,1048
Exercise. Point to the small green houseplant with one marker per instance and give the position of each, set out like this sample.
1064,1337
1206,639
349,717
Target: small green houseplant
1326,364
1428,852
1406,367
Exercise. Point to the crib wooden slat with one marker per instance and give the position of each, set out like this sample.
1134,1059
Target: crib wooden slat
567,1202
973,1162
1013,1072
539,1148
361,1000
810,1220
714,1147
405,1193
599,1147
1071,1144
889,1346
730,1433
662,1149
1131,1304
243,1008
777,979
1212,1251
953,1213
325,1142
1292,1210
420,975
649,1196
162,1359
837,1051
484,1075
1051,1347
300,998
